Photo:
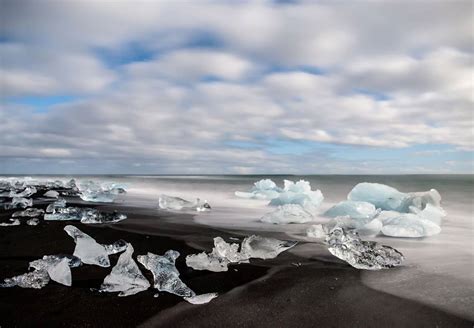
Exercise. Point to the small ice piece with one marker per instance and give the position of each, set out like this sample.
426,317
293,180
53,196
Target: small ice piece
201,299
165,274
32,222
166,202
126,276
288,213
70,213
264,248
60,203
91,191
263,189
51,194
409,225
364,227
354,209
102,218
29,212
14,222
210,262
430,212
299,193
367,255
87,249
117,247
36,279
20,202
58,268
316,231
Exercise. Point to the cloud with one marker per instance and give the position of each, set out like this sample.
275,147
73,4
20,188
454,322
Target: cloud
219,87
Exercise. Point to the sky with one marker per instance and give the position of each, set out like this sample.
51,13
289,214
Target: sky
236,87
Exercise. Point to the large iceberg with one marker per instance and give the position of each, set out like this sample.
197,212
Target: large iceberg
368,255
288,213
354,209
299,193
224,253
166,202
91,191
89,251
263,189
126,276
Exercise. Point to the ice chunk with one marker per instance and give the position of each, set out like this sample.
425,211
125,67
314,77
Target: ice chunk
299,193
91,191
316,231
36,279
58,268
51,194
166,202
27,192
14,222
201,299
87,249
263,189
117,247
60,203
409,225
210,262
165,274
367,255
84,214
126,276
362,226
264,248
19,202
30,212
430,212
354,209
32,222
288,213
382,196
370,229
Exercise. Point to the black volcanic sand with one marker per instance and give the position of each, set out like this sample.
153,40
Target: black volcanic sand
272,293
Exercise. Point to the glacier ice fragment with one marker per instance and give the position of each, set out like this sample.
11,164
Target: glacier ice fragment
20,202
263,189
57,268
29,212
36,279
299,193
360,254
14,222
165,274
59,203
32,222
201,299
316,231
263,247
354,209
166,202
84,214
380,195
125,276
288,213
117,247
51,194
91,191
409,225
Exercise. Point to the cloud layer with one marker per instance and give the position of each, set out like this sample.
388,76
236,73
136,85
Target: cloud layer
166,87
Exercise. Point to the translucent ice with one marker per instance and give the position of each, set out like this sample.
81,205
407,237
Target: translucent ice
100,192
60,203
36,279
299,193
57,268
100,218
19,202
30,212
364,227
165,274
430,212
14,222
354,209
409,225
32,222
316,231
51,194
117,247
27,192
201,299
263,189
288,213
210,262
166,202
83,214
360,254
88,250
126,276
264,248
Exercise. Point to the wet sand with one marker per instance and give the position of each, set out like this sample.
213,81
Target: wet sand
321,292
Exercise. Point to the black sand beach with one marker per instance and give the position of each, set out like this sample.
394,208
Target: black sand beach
276,293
